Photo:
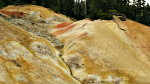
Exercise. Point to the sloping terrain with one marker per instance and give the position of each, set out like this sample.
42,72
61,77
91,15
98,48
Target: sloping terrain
28,59
139,34
34,9
35,19
107,52
62,51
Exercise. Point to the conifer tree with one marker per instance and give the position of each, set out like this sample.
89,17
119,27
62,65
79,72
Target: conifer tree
68,6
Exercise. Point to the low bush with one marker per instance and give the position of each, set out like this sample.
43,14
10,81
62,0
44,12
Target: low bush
105,16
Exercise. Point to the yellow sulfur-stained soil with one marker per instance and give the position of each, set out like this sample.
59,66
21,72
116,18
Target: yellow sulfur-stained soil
107,52
28,59
88,52
44,12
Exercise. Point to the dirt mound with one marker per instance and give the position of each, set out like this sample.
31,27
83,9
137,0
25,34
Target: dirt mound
109,52
91,52
26,59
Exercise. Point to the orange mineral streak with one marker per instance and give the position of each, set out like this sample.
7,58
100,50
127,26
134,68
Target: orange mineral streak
60,32
12,13
62,25
43,12
82,35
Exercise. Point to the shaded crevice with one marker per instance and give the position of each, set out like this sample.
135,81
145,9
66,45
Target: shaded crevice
16,63
71,72
115,21
122,29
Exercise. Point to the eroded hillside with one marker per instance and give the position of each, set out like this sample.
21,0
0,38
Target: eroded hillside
62,51
35,19
107,52
28,59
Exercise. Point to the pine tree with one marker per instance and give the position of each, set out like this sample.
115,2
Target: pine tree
34,2
2,4
93,10
146,13
68,6
59,6
139,3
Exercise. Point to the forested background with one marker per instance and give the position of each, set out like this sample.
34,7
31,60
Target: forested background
94,9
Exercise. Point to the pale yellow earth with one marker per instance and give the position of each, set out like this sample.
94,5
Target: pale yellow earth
107,51
94,52
44,12
28,59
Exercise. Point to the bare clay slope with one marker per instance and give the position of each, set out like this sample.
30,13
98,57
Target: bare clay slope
97,52
35,19
28,59
43,12
106,52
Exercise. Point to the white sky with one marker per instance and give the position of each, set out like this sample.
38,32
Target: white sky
148,1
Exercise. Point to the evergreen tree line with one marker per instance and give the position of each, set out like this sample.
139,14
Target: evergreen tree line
94,9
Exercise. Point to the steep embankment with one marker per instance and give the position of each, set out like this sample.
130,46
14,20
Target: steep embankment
28,59
140,34
97,52
35,19
109,52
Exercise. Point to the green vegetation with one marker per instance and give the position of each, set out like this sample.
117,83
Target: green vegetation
106,16
94,9
2,4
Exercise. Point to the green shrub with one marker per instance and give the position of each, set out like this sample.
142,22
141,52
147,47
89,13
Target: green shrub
2,4
105,16
113,12
93,16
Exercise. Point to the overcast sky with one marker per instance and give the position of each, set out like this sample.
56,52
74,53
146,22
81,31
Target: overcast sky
148,1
